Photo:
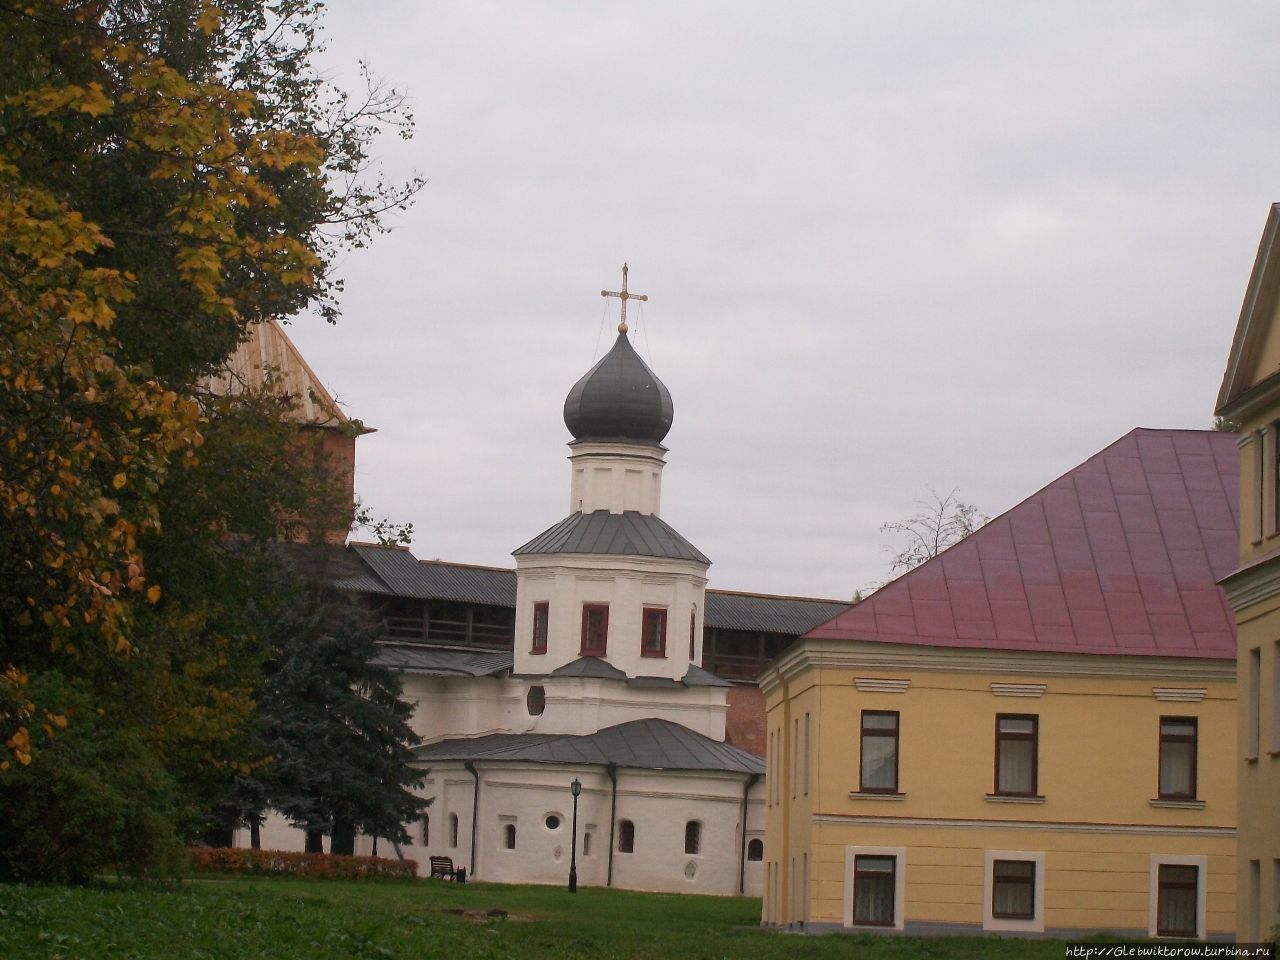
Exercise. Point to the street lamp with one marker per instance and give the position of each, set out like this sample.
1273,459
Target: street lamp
575,788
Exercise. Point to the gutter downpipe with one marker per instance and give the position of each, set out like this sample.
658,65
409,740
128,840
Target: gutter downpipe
475,811
742,846
612,770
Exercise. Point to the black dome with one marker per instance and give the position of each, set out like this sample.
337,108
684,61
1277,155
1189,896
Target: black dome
619,399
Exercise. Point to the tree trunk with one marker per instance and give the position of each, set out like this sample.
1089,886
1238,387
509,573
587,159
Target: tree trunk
343,838
255,832
315,841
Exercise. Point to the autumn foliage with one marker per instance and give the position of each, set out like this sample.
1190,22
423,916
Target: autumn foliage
171,173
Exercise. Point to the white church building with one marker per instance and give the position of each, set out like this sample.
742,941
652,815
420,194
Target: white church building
604,686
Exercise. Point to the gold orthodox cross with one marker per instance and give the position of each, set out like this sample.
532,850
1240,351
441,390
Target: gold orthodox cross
624,297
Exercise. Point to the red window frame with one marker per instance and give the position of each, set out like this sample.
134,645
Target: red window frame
1170,735
600,634
1010,737
653,632
1171,879
872,733
871,869
1014,873
541,619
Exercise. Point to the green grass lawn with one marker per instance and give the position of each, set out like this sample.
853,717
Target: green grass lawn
317,920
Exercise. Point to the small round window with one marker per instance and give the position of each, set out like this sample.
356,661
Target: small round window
536,701
552,822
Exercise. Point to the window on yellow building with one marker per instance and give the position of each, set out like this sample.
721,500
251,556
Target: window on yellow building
1253,709
879,761
1017,754
873,886
1176,900
1178,758
1013,889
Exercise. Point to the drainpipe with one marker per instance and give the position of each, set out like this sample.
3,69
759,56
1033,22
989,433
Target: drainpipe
742,846
475,811
613,818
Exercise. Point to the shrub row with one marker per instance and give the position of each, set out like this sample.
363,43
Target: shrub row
288,863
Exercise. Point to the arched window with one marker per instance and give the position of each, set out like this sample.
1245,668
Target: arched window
426,829
755,849
453,830
509,836
693,836
586,844
626,836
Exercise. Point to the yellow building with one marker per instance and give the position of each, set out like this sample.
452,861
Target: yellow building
1031,733
1250,397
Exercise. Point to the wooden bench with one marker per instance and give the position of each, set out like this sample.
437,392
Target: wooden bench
443,868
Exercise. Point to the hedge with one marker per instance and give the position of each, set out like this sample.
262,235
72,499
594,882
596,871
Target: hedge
280,863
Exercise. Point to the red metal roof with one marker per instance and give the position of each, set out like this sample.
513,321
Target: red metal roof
1120,555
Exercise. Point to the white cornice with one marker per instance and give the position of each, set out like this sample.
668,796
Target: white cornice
1179,694
1139,829
857,656
875,685
1253,584
1018,689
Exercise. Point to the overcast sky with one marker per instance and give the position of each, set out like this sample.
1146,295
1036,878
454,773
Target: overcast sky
887,247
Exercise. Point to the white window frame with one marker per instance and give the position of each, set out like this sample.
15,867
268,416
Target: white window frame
989,922
899,883
1153,889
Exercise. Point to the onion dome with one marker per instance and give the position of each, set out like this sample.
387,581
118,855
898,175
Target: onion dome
619,399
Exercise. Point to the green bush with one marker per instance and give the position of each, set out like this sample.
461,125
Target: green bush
94,798
328,866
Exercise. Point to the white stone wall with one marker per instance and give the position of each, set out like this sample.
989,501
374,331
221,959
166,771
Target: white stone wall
658,803
448,707
627,584
616,477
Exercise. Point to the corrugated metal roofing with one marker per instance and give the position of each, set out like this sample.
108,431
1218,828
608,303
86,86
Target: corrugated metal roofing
394,571
441,661
404,575
615,534
592,667
1121,555
639,745
788,615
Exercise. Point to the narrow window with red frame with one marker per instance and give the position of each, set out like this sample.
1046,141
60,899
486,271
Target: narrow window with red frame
595,629
653,636
693,626
541,617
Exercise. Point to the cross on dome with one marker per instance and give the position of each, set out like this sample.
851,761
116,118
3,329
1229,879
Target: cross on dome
624,296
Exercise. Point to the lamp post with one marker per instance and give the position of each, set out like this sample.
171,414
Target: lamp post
575,788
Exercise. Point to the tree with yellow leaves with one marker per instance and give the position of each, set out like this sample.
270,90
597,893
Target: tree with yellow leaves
171,172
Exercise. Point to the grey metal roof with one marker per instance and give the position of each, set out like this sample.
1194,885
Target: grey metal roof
697,677
616,534
442,661
789,615
404,575
651,744
394,571
619,398
589,667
